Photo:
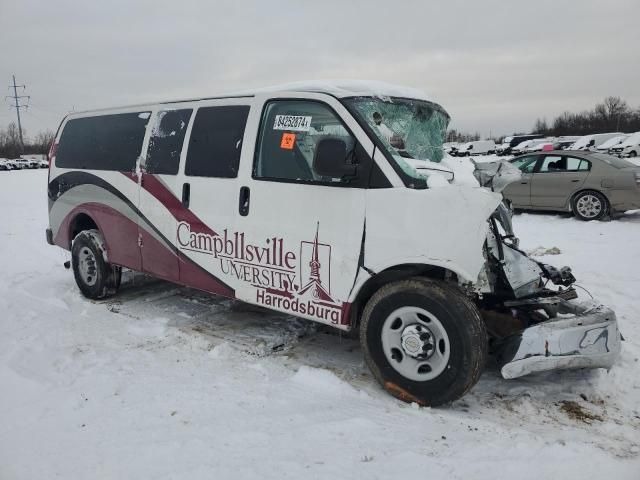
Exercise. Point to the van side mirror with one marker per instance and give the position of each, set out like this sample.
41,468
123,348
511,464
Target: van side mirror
330,159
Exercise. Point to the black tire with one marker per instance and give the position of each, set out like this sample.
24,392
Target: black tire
100,279
582,214
633,153
462,322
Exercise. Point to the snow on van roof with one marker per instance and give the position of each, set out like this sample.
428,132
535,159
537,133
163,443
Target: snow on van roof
350,88
337,88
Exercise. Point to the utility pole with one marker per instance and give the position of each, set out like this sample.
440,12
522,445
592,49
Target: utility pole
18,106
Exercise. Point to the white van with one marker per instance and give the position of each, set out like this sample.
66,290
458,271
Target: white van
478,147
612,142
629,148
589,142
299,199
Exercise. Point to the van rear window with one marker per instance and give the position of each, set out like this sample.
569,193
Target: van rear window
105,142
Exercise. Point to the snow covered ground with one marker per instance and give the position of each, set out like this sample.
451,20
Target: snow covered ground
165,382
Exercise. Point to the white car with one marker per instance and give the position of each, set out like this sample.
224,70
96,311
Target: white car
589,142
4,165
24,163
478,147
629,148
611,143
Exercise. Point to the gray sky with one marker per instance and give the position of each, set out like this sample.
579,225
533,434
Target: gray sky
494,65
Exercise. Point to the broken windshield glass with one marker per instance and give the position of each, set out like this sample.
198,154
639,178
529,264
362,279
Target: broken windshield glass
408,128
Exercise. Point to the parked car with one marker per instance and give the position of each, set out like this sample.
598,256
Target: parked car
478,147
43,164
24,163
4,165
611,143
591,142
300,199
12,164
528,144
589,184
505,148
628,148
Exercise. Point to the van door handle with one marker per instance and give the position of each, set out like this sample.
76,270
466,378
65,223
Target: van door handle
186,195
575,181
243,203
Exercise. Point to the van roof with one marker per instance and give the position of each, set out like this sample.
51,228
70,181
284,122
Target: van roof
336,88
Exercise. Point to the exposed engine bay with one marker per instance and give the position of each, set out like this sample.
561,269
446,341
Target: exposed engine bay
533,316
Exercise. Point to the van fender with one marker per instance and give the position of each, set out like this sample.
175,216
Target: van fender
369,281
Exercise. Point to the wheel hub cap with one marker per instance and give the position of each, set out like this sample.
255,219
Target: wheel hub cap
87,266
589,206
415,343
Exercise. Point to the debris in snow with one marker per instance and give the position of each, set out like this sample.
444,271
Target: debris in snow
576,411
541,251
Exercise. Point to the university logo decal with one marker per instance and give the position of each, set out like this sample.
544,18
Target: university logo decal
302,287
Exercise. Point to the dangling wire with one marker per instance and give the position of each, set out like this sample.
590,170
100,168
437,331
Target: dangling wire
582,288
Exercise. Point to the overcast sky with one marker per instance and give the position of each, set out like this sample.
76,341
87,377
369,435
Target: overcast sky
494,65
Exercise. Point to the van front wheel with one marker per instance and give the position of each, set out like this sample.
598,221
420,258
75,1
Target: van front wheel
95,277
424,341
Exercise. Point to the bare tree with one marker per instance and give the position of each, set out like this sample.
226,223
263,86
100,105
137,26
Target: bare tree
42,142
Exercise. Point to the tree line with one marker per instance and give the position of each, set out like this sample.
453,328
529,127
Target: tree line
10,146
612,115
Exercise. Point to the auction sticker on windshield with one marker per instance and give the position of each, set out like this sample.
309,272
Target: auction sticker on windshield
296,123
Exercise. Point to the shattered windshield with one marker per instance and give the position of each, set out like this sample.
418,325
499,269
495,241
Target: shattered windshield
413,129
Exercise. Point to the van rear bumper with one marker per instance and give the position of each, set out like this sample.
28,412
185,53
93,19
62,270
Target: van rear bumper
587,339
49,235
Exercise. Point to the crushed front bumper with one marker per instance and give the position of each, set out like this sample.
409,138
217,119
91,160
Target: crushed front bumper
582,336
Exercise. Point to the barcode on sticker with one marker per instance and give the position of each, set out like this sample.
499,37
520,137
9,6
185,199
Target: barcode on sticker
296,123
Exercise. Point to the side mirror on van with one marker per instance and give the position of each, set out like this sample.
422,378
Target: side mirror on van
330,159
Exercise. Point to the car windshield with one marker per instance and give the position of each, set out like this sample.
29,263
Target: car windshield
413,129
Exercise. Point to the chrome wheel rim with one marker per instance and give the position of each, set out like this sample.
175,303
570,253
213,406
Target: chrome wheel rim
415,343
87,266
589,206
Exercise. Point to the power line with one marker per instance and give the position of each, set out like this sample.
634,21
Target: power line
16,99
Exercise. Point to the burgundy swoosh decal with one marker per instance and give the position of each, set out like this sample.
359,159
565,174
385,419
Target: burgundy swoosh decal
156,188
121,238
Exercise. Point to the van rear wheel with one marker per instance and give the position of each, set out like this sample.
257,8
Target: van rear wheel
95,277
424,341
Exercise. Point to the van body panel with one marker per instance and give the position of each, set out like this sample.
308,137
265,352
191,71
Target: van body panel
420,214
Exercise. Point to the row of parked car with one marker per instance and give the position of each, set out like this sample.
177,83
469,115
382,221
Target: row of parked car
22,163
614,143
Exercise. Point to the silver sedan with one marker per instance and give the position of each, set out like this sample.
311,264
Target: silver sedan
589,184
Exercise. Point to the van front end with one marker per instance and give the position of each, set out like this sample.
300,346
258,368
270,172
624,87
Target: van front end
534,328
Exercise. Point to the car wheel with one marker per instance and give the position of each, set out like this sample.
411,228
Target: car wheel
423,340
94,276
590,205
633,153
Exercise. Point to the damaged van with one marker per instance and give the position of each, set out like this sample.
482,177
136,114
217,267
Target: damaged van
330,202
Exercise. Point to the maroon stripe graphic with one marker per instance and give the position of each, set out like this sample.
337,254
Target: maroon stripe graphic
155,187
120,234
121,239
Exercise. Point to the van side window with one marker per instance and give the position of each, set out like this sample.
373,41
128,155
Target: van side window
105,142
216,141
289,134
166,141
